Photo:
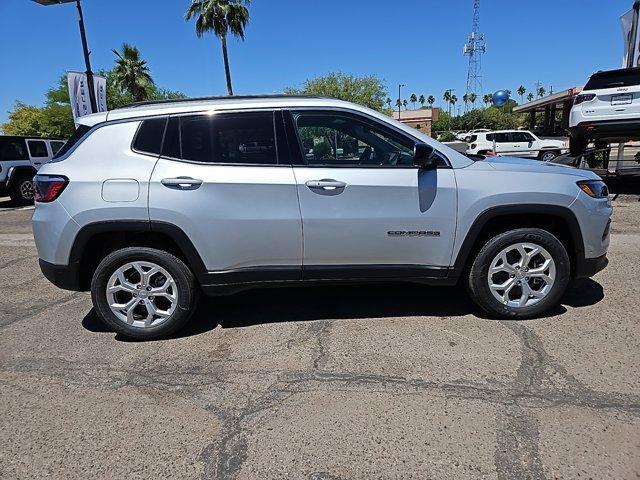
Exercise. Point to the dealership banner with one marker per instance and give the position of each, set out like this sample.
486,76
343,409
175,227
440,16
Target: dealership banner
631,35
79,94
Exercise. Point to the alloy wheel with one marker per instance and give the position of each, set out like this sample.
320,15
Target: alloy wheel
142,294
521,275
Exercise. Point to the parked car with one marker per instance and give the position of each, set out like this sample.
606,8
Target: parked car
20,159
466,136
607,110
518,143
152,204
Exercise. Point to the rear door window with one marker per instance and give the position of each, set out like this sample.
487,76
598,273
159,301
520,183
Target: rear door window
38,148
13,149
234,138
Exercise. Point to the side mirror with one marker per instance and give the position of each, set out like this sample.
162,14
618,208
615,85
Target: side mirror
423,156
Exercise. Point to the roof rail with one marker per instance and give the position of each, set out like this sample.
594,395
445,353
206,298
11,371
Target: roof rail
201,99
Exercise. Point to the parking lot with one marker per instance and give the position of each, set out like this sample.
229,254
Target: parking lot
389,381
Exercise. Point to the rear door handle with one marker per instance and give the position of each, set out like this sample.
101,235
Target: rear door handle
182,183
325,184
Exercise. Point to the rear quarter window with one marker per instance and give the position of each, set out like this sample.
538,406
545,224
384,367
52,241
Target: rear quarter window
149,136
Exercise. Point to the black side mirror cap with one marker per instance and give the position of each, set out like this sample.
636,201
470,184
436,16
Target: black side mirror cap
424,156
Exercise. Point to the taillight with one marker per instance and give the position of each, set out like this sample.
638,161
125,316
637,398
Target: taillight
584,97
49,187
473,145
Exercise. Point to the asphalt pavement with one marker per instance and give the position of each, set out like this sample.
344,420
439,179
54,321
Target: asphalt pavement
389,381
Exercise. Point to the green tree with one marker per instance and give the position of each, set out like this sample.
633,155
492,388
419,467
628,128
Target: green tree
447,96
131,73
431,100
521,92
465,99
369,90
413,99
405,103
530,97
486,98
388,102
472,98
541,92
422,101
453,100
399,103
220,17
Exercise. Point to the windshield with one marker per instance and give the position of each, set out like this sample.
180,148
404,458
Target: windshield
627,77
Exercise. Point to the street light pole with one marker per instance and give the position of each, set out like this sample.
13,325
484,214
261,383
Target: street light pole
85,48
400,85
87,61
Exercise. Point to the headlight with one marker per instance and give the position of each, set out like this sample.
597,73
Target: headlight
594,188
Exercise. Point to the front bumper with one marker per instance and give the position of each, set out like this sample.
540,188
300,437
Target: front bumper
628,129
66,277
588,267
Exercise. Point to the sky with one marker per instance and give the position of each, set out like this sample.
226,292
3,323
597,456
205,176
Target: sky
415,42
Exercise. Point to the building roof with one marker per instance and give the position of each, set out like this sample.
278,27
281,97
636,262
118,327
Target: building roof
553,99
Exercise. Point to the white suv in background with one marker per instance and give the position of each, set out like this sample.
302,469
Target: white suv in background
515,143
20,159
607,110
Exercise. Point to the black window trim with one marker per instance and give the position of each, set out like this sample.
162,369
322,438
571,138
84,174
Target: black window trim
295,144
274,117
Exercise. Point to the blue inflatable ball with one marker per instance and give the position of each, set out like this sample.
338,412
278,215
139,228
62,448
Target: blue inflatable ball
500,98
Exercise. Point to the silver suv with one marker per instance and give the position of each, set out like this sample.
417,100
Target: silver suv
148,206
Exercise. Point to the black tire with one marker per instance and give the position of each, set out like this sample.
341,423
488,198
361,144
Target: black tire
478,284
187,290
22,190
577,146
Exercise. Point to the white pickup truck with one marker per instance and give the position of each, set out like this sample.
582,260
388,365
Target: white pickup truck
20,159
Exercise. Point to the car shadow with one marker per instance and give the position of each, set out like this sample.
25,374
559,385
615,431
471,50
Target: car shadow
296,304
8,203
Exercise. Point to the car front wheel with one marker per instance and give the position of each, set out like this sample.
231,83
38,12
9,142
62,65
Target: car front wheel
547,156
520,273
143,293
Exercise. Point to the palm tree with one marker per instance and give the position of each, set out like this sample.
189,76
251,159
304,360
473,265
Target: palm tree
521,92
431,100
388,102
487,99
220,17
398,103
530,97
447,96
453,100
413,99
541,92
472,98
132,73
405,103
421,100
465,99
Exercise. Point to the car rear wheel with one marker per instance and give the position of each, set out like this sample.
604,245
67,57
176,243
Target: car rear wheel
520,273
22,190
548,155
144,293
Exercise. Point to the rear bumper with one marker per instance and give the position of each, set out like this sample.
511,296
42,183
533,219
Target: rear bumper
608,129
66,277
588,267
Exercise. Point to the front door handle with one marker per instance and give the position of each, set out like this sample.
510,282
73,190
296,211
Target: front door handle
182,183
326,184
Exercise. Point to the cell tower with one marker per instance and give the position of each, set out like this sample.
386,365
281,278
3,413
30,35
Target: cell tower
475,47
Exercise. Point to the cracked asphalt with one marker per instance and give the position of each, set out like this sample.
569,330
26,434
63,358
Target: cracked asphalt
390,381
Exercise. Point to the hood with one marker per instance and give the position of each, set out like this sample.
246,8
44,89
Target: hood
536,166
